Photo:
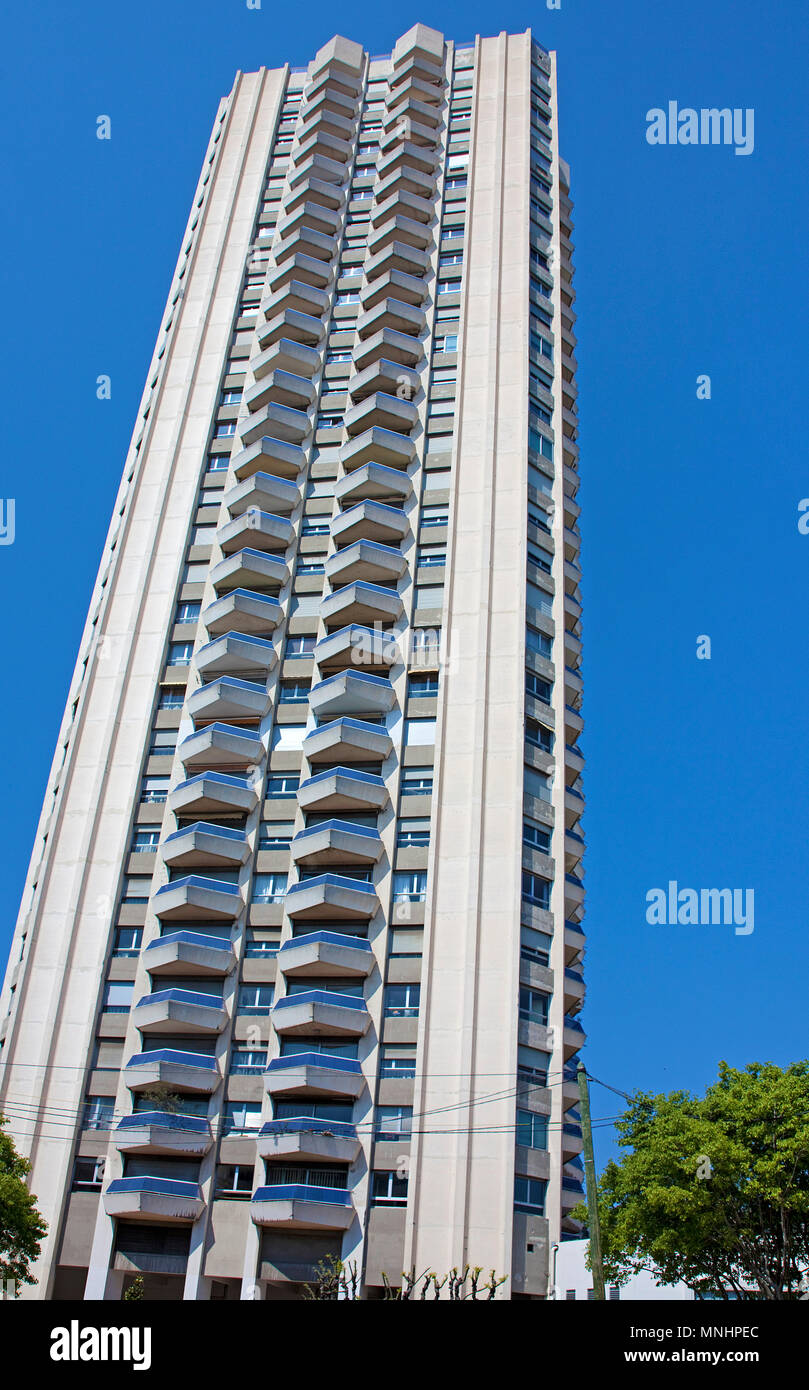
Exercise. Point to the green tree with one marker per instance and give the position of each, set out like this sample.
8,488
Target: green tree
714,1191
135,1292
21,1226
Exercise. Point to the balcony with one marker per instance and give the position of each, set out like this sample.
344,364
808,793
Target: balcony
163,1132
352,692
386,376
235,651
281,388
270,455
398,256
343,789
388,344
326,953
400,228
304,240
313,189
321,168
205,844
177,1070
337,842
379,414
393,284
406,180
314,1074
277,422
574,989
179,1011
392,314
314,215
228,699
370,521
309,1138
242,610
325,98
163,1199
333,898
407,155
332,120
359,602
212,793
373,481
419,133
286,355
197,897
321,1013
349,740
189,953
295,324
222,745
357,646
573,1036
366,561
297,296
321,142
249,569
378,445
301,1207
259,530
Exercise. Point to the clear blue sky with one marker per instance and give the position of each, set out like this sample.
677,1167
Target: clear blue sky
688,261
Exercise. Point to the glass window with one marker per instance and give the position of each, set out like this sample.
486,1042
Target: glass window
288,736
136,888
398,1060
275,834
255,999
269,888
413,833
537,641
88,1172
302,643
154,789
529,1194
171,697
532,1130
99,1112
535,889
282,784
234,1179
419,732
262,943
421,686
402,1001
118,996
247,1061
389,1188
534,1005
241,1116
417,781
537,836
145,839
536,686
410,885
393,1122
127,941
180,653
538,736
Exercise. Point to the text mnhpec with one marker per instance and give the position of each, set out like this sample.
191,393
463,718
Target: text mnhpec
701,907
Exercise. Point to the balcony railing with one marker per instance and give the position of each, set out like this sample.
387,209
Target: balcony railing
171,1054
182,996
320,996
164,1119
174,1187
309,1124
302,1192
314,1059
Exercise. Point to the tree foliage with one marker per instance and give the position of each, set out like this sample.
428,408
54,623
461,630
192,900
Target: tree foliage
714,1191
21,1226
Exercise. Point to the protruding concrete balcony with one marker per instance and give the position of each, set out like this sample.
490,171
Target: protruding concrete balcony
349,739
285,388
302,1207
270,455
321,168
228,699
574,894
313,215
406,179
163,1132
262,492
360,602
309,1138
382,412
383,375
573,1036
196,897
331,897
352,692
277,422
392,313
242,610
366,560
403,204
574,988
358,647
222,745
407,106
249,569
390,344
338,119
183,1011
379,445
399,227
321,1013
398,255
372,521
259,530
326,954
419,135
319,141
303,268
154,1199
393,284
204,843
173,1069
312,189
343,789
415,86
236,651
407,155
297,296
373,480
187,952
337,842
314,1074
292,324
212,793
326,98
285,355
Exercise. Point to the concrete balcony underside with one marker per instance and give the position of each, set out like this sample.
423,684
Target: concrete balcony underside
343,789
313,1075
375,482
243,610
153,1133
202,843
210,793
177,1011
319,1013
348,739
369,520
272,1206
235,651
249,569
330,897
326,954
262,493
174,1070
196,898
257,530
387,344
270,455
230,700
188,953
147,1199
357,647
352,693
286,355
361,602
312,1140
336,842
222,745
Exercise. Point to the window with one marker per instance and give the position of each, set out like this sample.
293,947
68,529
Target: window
534,1005
88,1172
224,428
262,943
456,183
145,839
451,233
398,1060
540,689
310,567
540,443
441,408
241,1117
393,1122
410,885
255,999
536,784
319,525
180,653
171,697
449,287
535,889
136,888
532,1130
417,781
389,1189
303,643
154,789
451,258
535,945
187,612
533,1065
234,1179
247,1061
288,736
230,397
538,736
99,1112
537,523
448,342
402,1001
164,742
436,514
269,888
413,834
540,557
218,463
419,732
127,942
420,687
274,834
431,555
333,357
529,1194
282,785
118,997
536,641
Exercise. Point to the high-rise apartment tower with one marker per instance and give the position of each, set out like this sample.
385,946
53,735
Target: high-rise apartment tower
298,965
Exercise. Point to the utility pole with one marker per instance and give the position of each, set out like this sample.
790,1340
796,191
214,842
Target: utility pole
590,1179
